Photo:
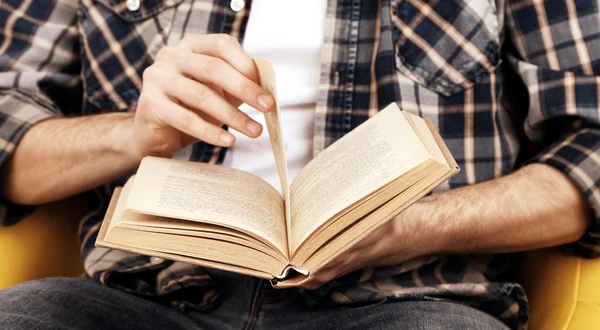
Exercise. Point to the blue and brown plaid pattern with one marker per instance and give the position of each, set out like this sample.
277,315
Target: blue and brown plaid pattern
505,82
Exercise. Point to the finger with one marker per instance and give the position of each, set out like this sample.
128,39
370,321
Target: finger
342,260
325,276
191,123
348,262
313,285
372,238
215,71
334,269
206,100
224,47
322,277
231,99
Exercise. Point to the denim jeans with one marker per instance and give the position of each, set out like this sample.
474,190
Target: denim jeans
248,303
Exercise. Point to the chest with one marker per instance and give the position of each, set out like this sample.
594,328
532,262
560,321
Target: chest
371,49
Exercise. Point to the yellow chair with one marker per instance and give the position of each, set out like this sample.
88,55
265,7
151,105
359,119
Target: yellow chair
42,245
564,291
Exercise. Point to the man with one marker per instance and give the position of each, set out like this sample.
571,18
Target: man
90,87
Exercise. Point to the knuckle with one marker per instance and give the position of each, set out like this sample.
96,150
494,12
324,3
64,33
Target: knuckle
201,94
351,255
186,120
235,116
149,73
207,133
246,87
166,53
225,40
381,250
171,80
353,258
157,75
343,260
212,65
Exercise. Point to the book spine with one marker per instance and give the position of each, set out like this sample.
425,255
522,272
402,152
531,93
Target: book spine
291,276
286,271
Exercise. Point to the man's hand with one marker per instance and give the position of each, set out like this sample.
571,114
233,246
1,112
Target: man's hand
535,207
187,94
191,90
391,244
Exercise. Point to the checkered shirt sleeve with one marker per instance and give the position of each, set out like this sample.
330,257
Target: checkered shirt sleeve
39,73
557,57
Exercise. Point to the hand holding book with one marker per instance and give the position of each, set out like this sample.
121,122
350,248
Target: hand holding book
191,90
399,240
220,217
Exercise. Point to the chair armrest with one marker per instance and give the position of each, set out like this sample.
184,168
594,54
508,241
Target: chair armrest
43,244
563,291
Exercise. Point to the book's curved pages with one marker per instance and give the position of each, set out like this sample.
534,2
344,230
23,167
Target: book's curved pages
218,217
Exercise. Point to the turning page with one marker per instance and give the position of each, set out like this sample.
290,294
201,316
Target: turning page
210,194
366,159
268,82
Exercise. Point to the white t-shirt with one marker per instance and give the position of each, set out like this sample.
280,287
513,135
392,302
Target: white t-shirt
289,34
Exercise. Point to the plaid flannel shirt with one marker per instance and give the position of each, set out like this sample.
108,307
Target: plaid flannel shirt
504,82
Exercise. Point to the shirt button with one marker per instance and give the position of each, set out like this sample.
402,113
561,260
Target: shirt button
237,5
133,5
156,260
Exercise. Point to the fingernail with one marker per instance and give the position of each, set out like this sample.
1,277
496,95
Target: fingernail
253,127
226,138
265,101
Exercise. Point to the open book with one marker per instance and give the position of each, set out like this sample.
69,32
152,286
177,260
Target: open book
219,217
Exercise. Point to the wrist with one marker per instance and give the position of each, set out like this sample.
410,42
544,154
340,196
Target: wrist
125,139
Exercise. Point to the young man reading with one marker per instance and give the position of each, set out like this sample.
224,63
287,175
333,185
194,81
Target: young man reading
90,87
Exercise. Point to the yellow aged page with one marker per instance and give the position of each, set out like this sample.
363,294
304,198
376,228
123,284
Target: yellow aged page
427,138
273,121
119,212
211,194
369,157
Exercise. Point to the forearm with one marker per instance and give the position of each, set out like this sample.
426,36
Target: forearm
535,207
61,157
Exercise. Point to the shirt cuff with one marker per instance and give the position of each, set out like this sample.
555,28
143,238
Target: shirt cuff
18,113
578,155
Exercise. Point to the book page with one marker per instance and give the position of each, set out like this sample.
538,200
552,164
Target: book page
366,159
210,194
117,216
420,126
267,81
